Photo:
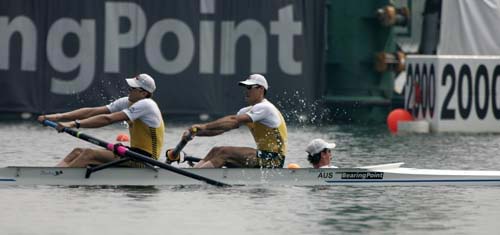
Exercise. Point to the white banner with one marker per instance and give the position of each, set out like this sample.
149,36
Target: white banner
454,93
470,27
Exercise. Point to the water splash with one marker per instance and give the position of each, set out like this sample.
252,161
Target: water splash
108,91
298,110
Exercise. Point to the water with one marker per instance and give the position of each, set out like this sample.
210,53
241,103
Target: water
259,210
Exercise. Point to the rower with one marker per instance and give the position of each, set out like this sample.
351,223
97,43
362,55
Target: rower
138,109
320,153
264,121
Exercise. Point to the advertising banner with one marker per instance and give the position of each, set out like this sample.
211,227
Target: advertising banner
57,55
454,93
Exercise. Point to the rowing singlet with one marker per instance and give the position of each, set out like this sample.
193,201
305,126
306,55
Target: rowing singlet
268,127
146,127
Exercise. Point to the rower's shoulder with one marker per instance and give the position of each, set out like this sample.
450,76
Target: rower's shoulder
146,102
267,105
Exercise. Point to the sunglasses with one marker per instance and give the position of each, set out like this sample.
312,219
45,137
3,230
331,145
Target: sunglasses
135,88
252,86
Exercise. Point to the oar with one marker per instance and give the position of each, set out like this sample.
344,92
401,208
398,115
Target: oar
125,152
190,159
171,154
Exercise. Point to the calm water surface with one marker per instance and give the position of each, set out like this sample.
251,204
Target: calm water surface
259,210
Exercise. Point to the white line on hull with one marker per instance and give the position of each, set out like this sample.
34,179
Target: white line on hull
387,174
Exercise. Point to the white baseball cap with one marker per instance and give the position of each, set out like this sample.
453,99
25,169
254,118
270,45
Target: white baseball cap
143,81
317,145
255,79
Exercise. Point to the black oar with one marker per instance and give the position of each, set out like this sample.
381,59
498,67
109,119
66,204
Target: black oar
172,154
125,152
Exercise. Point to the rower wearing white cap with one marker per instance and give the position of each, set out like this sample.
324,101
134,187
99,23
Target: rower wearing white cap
138,109
320,153
264,121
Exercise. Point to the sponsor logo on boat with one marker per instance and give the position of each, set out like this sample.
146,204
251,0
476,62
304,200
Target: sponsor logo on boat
351,175
51,172
361,175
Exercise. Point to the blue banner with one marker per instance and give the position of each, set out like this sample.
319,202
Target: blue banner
57,55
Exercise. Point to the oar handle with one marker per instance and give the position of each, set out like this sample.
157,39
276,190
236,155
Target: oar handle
184,141
49,123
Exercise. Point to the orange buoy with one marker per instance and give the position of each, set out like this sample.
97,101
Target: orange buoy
293,166
396,116
122,137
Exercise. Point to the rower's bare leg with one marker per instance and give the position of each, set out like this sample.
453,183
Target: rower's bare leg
207,161
92,156
70,157
205,164
219,156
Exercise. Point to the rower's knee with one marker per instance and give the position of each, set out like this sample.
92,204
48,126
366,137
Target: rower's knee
219,155
223,151
214,151
215,158
76,151
87,154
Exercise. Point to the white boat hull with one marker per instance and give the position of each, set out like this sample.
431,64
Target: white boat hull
388,174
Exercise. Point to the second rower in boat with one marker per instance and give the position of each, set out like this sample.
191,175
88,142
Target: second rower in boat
264,121
320,153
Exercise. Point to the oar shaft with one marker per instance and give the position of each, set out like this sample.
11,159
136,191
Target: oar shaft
178,148
123,151
80,135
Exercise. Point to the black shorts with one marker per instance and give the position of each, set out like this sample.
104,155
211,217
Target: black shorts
137,164
270,159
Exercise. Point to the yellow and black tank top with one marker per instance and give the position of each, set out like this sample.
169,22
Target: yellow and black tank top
145,124
270,139
147,138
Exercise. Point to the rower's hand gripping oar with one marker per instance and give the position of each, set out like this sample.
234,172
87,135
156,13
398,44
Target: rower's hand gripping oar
174,155
125,152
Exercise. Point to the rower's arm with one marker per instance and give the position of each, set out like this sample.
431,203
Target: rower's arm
221,125
81,113
99,120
